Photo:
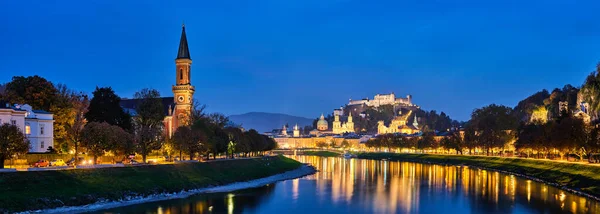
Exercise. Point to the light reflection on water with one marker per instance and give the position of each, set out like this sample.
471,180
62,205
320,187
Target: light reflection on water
369,186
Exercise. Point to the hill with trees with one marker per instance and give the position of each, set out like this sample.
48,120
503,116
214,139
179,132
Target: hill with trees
264,122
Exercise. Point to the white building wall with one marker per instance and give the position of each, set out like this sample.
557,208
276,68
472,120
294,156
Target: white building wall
9,115
40,141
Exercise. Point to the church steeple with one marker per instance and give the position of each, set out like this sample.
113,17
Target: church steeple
184,51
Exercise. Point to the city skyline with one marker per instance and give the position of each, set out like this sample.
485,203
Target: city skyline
303,64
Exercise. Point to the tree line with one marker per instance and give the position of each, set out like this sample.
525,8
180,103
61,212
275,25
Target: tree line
100,125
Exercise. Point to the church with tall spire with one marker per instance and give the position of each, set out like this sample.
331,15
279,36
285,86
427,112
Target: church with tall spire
183,91
178,108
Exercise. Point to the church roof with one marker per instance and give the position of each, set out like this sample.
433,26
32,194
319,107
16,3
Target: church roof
129,105
184,51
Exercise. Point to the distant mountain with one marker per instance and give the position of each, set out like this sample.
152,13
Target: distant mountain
264,122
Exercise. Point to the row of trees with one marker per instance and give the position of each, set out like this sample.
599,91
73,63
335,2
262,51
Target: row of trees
101,125
344,144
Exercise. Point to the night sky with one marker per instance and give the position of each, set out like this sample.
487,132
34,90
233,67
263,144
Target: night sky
307,57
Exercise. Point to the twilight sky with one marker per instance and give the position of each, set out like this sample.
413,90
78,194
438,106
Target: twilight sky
307,57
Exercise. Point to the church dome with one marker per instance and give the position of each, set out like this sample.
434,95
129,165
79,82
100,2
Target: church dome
322,124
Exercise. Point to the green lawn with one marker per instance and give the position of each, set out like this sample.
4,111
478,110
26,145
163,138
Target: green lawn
583,177
47,189
322,153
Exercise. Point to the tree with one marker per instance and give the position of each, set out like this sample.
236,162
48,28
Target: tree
148,122
97,138
591,91
426,141
321,144
455,141
345,144
75,126
181,138
471,139
105,107
122,141
570,135
36,91
12,142
493,124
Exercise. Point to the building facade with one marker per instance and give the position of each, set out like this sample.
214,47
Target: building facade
311,142
340,128
37,125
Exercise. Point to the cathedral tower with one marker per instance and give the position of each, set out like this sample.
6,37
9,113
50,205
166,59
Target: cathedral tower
183,91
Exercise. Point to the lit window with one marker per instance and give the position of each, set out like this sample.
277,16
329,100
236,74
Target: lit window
27,129
42,145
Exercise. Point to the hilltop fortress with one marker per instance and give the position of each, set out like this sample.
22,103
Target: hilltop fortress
383,99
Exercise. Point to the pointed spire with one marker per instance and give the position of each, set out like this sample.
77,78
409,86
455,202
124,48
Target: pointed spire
184,51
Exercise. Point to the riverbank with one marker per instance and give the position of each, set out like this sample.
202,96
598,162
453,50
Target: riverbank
22,191
578,178
322,153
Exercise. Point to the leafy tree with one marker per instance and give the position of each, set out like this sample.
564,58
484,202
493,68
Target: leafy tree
12,142
321,144
453,141
33,90
181,138
148,121
570,135
122,143
105,107
97,138
426,141
345,144
74,127
591,91
472,140
493,124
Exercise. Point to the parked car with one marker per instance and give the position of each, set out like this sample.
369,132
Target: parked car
57,162
41,163
79,161
594,158
129,161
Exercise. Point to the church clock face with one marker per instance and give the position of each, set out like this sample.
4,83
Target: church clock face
180,98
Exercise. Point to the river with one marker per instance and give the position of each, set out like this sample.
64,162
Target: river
369,186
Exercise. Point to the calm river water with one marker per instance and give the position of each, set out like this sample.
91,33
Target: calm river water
368,186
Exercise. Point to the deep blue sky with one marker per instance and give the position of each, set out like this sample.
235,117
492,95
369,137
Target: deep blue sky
309,56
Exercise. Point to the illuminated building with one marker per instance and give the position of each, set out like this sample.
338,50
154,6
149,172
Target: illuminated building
340,128
383,99
37,125
322,124
400,125
177,109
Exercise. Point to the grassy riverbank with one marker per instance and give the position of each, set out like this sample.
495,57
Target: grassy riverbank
322,153
21,191
581,177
